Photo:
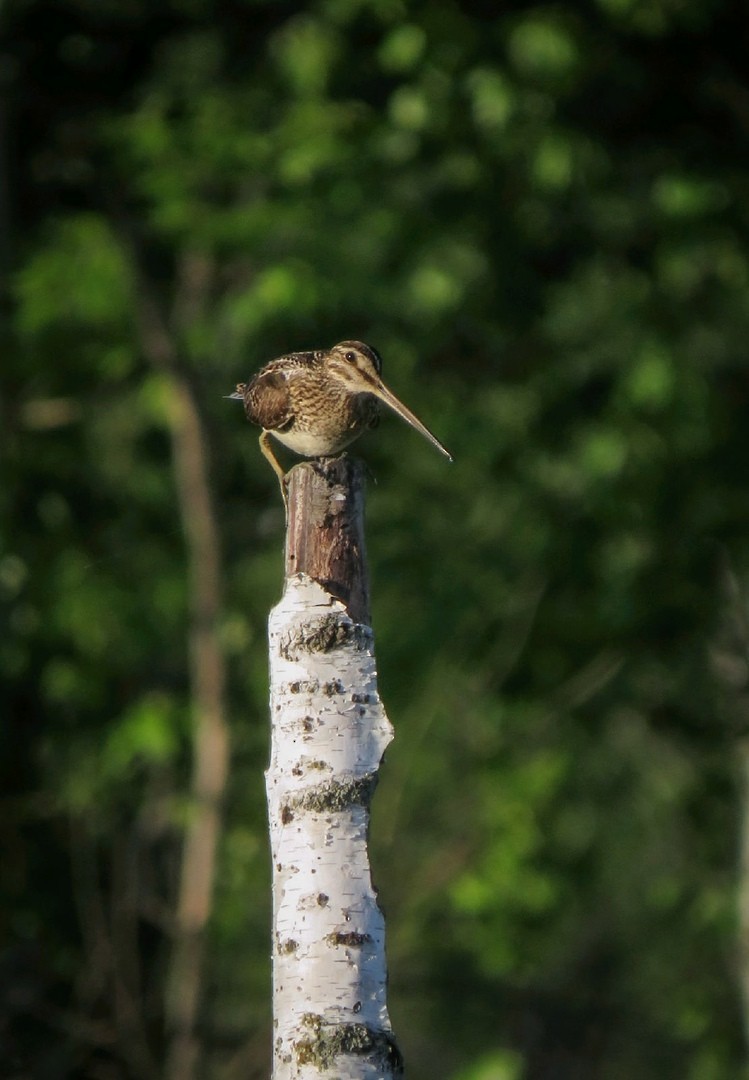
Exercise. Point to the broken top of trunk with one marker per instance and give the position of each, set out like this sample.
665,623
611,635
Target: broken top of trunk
325,533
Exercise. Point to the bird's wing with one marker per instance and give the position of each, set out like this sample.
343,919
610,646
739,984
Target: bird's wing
267,401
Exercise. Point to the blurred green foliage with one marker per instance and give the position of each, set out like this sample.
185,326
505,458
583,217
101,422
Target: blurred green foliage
538,214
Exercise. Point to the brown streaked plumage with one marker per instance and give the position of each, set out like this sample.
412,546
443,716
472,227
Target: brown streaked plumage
317,403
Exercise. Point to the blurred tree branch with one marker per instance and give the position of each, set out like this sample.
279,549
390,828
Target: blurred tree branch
207,667
729,657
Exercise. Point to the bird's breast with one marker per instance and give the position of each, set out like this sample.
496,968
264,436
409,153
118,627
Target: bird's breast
324,425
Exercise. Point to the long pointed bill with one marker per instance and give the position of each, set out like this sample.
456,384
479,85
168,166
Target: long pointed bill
381,391
236,396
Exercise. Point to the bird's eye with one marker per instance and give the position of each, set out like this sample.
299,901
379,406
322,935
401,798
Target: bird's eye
351,357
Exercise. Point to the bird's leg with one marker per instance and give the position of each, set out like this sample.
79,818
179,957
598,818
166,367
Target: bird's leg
266,450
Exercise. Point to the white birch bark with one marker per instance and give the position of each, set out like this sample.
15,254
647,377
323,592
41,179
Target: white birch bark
329,732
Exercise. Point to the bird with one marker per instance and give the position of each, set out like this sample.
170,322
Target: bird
317,403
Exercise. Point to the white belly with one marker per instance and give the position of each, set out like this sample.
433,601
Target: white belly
309,444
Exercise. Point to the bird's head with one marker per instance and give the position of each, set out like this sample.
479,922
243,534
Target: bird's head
359,367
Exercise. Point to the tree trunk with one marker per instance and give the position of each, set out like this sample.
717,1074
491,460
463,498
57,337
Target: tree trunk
329,732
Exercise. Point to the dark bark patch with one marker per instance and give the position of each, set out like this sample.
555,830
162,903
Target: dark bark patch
326,1043
351,938
337,794
304,686
333,631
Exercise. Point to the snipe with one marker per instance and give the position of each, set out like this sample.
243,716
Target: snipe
316,403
